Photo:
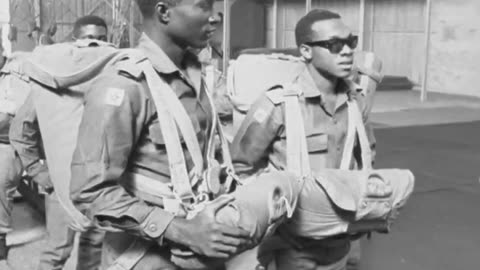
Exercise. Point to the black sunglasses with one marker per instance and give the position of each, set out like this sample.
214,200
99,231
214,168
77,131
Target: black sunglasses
335,45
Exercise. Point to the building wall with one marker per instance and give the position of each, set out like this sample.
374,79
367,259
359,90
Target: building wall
455,47
395,31
247,29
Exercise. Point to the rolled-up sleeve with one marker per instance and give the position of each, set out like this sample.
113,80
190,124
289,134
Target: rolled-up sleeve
252,144
115,113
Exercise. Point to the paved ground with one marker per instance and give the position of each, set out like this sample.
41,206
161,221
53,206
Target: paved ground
436,230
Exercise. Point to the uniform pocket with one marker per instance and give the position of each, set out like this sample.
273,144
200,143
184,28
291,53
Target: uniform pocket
156,136
317,143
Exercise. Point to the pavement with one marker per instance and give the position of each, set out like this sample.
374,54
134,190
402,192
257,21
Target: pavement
440,209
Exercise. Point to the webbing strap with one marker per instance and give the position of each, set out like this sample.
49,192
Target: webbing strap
356,127
162,96
217,129
298,161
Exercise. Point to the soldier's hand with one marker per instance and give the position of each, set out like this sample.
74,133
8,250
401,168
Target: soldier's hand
205,236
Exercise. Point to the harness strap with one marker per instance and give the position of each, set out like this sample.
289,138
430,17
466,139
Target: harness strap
178,170
356,127
298,161
213,183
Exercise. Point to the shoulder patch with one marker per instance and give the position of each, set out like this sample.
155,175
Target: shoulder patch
114,96
260,115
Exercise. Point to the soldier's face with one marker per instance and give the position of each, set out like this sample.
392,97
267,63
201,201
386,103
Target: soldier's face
92,31
328,57
193,22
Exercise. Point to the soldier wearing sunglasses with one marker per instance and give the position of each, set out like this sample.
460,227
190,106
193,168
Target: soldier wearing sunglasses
327,46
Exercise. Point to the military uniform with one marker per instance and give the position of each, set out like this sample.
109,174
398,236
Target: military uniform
260,143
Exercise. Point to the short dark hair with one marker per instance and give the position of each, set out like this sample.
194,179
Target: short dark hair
147,7
88,20
303,29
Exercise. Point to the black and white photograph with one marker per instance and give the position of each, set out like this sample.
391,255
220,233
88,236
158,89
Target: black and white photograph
239,134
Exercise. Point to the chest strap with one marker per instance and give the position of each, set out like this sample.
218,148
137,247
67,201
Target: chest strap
170,114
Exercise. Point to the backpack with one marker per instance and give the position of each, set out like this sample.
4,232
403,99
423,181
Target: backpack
59,75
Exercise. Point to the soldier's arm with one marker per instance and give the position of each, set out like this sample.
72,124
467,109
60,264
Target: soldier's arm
252,143
115,113
26,139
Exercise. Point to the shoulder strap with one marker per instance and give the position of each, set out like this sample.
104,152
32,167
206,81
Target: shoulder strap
170,114
298,161
212,182
356,127
276,94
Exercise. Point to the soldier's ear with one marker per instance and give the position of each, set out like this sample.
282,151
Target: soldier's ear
162,10
306,52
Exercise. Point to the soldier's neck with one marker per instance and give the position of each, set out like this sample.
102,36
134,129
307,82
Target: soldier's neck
175,52
325,83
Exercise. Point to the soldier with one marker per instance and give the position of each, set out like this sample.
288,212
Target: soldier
11,97
25,137
326,44
121,168
91,27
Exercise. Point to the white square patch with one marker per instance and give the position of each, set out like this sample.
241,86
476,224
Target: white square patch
114,96
260,116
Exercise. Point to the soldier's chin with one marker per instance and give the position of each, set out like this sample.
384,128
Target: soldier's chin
200,44
344,73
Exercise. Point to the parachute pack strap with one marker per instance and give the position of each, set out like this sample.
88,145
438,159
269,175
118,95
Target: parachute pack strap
366,151
78,221
178,169
49,78
297,154
184,123
356,127
217,130
231,79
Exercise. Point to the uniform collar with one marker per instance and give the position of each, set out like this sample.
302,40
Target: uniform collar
163,64
310,90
